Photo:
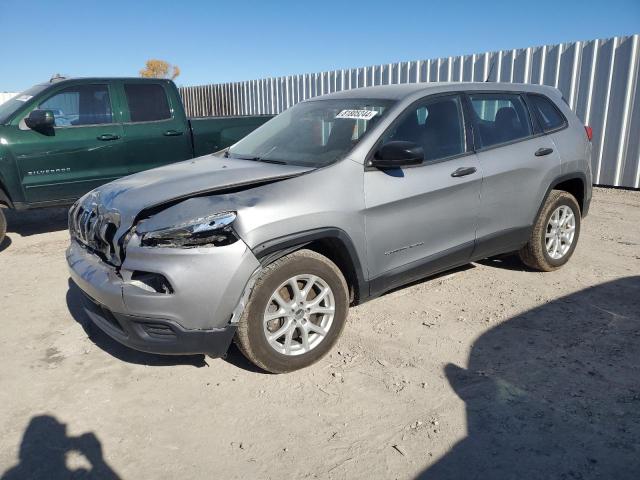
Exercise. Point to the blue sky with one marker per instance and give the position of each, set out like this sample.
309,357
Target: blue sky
233,40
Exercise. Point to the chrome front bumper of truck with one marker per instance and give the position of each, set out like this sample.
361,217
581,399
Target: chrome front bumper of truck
166,300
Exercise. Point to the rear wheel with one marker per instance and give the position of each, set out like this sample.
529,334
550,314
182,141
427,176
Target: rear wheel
296,313
3,225
555,233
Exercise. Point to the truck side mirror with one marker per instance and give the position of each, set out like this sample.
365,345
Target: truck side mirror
40,120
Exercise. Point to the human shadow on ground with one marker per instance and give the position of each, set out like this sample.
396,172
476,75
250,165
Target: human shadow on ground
44,450
553,393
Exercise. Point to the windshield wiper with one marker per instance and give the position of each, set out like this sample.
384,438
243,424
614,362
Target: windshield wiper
254,159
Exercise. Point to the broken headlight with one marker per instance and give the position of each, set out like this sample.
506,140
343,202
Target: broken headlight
212,230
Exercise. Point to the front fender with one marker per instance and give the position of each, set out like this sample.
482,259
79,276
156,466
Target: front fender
10,186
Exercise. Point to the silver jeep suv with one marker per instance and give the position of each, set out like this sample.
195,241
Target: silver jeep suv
331,203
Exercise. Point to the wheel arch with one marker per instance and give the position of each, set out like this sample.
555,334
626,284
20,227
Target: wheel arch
334,243
5,200
573,183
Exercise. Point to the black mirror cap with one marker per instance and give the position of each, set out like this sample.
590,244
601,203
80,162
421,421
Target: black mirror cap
398,154
40,120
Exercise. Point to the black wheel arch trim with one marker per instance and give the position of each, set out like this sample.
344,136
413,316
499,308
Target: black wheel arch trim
584,207
271,250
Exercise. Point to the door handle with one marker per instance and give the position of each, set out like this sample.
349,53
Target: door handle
541,152
107,137
172,133
462,171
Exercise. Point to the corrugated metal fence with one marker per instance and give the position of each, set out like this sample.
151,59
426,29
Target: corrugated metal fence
598,78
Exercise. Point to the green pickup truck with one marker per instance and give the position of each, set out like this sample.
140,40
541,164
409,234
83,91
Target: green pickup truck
60,139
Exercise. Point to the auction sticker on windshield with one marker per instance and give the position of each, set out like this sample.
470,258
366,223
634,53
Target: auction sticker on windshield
357,114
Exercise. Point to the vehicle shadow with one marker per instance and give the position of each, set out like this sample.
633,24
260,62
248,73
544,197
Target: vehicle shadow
506,262
5,243
44,450
117,350
553,392
34,222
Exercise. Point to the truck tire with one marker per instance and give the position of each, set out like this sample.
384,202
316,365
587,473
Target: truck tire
3,225
554,235
296,312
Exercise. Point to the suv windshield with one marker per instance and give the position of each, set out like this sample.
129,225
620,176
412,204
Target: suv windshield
8,108
314,133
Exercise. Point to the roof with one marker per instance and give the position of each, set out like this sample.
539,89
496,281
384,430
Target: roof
404,90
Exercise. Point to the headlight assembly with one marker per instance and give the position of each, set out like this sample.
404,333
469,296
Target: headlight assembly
213,230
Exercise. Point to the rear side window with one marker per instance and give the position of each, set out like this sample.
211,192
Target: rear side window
500,118
436,125
80,105
147,102
548,114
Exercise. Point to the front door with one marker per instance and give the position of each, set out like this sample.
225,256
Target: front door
423,219
82,152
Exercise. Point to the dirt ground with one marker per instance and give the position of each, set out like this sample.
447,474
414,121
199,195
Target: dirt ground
490,371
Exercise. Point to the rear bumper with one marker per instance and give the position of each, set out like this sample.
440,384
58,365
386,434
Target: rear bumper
155,335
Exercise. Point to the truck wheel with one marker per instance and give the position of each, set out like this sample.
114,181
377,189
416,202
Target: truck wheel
555,233
296,312
3,225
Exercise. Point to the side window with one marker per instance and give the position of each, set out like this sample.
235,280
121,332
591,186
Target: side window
500,117
548,114
80,105
147,102
436,125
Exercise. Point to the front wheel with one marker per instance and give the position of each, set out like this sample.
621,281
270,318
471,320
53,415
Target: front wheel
555,233
296,312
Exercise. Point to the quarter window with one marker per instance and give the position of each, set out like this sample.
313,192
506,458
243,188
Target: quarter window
80,105
147,102
500,118
548,114
436,125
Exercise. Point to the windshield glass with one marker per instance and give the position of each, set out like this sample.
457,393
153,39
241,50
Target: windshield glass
9,107
313,134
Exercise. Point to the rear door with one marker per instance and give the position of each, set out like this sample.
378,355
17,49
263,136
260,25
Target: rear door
423,219
518,162
82,152
155,131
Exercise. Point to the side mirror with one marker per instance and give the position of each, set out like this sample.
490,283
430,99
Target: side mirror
398,154
40,120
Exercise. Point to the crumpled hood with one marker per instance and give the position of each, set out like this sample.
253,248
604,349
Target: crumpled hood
130,195
119,203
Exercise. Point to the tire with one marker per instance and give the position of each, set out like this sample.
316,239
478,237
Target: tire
288,352
3,225
535,254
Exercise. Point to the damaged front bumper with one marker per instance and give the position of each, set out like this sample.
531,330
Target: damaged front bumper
166,300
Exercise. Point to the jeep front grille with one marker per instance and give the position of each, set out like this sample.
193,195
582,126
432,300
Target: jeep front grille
95,230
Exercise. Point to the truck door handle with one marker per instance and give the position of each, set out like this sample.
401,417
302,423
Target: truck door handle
541,152
462,171
172,133
107,137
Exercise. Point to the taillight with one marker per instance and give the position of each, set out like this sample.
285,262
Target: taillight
589,131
